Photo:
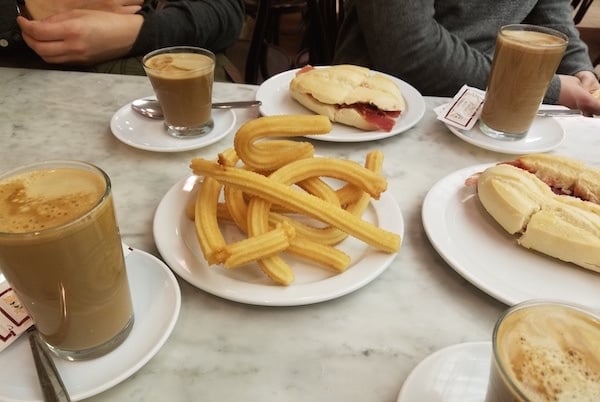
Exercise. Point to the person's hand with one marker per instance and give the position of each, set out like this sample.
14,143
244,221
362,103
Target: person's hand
576,93
588,81
40,9
81,36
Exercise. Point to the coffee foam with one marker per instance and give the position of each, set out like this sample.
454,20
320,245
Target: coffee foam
533,38
179,65
552,353
43,199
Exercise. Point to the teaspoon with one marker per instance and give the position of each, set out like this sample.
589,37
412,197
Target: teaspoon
150,107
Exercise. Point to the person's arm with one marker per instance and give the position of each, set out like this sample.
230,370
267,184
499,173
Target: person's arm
575,79
213,24
40,9
89,36
81,36
404,39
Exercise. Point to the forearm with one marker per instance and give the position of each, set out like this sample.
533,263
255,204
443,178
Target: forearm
214,24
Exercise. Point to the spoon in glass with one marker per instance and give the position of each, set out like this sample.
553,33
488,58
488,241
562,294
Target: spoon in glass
150,107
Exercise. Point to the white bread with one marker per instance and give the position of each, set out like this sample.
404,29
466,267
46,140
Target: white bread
347,116
511,196
324,90
566,175
560,226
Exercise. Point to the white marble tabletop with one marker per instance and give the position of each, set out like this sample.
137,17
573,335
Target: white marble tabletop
359,347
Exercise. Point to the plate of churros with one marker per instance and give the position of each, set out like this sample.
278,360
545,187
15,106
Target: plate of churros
269,223
276,99
176,241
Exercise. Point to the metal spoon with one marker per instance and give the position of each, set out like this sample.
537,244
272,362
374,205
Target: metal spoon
52,385
150,107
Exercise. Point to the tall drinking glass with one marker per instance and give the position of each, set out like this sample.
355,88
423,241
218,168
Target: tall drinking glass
61,252
525,60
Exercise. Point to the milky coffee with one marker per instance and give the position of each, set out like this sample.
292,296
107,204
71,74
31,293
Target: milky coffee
524,63
182,80
546,352
61,251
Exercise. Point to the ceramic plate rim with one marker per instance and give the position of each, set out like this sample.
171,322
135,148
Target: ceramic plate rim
282,104
138,267
168,237
503,276
540,124
171,144
420,370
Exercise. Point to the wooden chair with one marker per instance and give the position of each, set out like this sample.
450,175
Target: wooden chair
265,36
580,7
324,21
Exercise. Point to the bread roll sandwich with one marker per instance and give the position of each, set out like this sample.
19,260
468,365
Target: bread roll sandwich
550,203
350,95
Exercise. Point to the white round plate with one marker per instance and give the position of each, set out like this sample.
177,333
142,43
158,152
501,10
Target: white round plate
275,98
457,373
156,302
175,238
479,249
148,134
545,135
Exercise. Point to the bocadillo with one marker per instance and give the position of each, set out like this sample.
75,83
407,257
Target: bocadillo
549,202
350,95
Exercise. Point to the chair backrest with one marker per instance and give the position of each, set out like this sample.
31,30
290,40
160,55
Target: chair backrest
580,7
325,18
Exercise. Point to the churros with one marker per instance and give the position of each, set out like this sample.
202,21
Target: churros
278,193
270,155
273,191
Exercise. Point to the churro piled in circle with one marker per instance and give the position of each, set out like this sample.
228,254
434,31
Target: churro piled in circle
272,187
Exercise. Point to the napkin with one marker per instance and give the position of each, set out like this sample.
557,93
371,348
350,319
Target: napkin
464,110
14,319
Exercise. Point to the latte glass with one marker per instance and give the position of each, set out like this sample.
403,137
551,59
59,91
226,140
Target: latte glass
182,78
525,60
545,351
61,252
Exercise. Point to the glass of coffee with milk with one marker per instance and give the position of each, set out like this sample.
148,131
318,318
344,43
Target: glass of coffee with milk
61,252
182,78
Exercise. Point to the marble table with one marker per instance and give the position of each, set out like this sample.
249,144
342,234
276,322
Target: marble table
359,347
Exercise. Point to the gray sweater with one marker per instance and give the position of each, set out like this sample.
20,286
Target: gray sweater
439,45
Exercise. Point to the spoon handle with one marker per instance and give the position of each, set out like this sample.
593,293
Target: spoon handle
52,386
233,105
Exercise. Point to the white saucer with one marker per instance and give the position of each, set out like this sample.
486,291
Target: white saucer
457,373
156,302
545,135
148,134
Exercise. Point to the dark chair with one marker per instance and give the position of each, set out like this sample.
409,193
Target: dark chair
265,36
324,18
580,7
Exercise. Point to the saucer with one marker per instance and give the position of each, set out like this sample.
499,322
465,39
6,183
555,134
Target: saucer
544,135
149,134
457,373
156,302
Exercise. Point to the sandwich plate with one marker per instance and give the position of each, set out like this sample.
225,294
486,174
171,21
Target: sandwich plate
275,97
477,247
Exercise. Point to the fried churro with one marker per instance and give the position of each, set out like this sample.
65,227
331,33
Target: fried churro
270,155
